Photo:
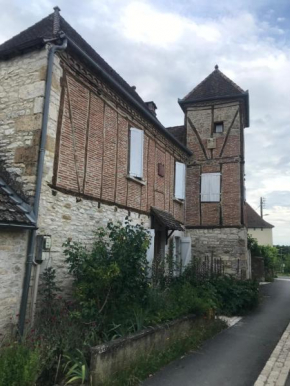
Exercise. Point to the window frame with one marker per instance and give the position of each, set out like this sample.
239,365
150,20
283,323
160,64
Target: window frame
218,124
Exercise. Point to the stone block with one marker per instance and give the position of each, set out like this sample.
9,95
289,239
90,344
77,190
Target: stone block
31,91
28,154
28,122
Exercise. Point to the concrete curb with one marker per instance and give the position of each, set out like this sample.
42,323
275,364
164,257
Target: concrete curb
276,370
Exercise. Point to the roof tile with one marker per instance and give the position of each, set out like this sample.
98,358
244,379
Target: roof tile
216,85
253,220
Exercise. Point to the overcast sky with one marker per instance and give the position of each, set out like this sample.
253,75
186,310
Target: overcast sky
166,47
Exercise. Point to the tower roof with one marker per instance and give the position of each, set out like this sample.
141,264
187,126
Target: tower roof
215,85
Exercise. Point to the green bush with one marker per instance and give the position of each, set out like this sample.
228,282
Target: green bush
270,255
235,297
19,365
112,276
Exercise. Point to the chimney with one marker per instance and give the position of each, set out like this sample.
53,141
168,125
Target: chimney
56,21
152,107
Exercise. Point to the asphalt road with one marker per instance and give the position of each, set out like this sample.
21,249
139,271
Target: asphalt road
236,356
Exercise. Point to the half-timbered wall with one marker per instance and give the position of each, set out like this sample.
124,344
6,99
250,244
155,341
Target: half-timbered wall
92,154
215,153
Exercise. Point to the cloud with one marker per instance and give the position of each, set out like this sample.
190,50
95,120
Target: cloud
165,48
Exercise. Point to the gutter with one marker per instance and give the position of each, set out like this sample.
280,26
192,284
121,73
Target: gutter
18,226
32,234
123,91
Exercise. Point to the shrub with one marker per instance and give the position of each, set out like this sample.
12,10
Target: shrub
19,365
270,255
236,296
57,331
112,276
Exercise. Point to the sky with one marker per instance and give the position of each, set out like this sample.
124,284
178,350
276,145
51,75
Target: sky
167,47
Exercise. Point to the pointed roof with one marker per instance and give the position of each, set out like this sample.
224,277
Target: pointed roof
215,85
253,220
50,28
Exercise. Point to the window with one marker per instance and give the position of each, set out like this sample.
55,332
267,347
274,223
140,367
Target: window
210,187
136,153
179,180
219,127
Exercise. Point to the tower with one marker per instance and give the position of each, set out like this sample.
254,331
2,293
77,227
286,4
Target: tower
216,114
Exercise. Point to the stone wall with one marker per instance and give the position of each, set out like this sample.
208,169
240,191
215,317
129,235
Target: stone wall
22,84
229,244
64,216
107,360
13,246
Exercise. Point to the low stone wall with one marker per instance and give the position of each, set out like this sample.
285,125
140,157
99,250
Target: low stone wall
110,358
229,244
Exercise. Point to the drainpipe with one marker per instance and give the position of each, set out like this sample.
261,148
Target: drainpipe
32,234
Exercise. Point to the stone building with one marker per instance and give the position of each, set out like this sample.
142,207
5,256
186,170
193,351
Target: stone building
83,148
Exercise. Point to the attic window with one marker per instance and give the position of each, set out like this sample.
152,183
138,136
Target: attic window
219,127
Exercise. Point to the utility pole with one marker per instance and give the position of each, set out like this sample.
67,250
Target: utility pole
262,203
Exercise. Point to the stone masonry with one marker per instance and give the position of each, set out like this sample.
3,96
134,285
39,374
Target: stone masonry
22,82
229,244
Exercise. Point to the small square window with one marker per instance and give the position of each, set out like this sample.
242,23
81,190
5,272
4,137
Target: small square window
219,127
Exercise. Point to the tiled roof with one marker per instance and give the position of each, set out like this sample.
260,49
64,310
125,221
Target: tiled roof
215,85
14,212
253,220
179,133
166,219
37,36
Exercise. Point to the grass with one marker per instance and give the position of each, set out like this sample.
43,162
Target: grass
155,360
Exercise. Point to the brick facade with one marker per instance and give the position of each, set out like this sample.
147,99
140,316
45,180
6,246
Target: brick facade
93,152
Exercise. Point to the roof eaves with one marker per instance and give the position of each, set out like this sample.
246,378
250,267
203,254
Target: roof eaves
20,204
121,89
17,225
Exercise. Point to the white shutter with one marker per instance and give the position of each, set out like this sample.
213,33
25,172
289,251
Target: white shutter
150,250
179,180
185,251
210,187
136,152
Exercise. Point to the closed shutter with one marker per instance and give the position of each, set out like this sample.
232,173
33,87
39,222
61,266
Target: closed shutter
185,251
210,187
136,152
179,180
